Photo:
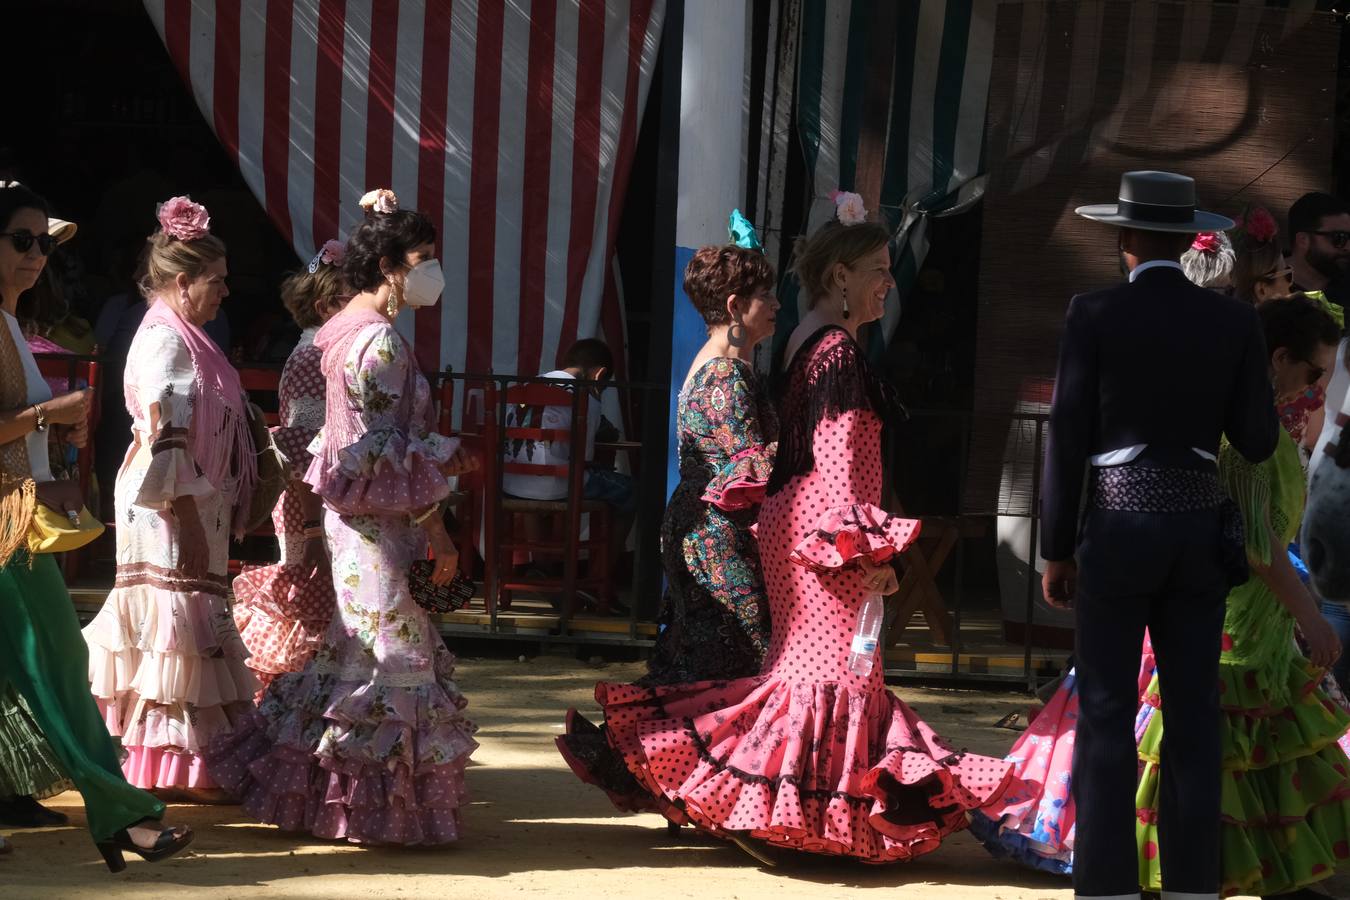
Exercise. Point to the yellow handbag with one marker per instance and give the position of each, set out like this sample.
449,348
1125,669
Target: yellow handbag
52,532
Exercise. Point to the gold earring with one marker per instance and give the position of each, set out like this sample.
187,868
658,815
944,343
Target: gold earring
395,298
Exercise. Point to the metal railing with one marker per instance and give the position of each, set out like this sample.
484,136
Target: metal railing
1029,458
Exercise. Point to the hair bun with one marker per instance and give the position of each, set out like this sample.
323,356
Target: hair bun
380,200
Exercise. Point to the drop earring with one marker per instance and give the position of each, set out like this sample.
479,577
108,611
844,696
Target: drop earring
736,334
844,289
395,298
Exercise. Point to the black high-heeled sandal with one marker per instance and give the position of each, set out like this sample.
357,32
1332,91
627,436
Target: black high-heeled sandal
169,842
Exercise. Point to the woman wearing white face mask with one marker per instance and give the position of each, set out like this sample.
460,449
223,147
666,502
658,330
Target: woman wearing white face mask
367,742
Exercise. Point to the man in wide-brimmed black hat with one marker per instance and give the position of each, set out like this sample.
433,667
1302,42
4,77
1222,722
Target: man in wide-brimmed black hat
1151,374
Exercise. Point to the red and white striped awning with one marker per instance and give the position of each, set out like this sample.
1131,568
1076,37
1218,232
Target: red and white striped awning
513,122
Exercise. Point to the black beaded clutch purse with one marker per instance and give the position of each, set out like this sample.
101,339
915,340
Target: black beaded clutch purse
444,598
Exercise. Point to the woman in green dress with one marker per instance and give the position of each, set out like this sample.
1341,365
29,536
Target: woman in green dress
29,770
1285,814
42,653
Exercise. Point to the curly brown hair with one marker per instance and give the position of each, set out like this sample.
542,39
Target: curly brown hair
715,273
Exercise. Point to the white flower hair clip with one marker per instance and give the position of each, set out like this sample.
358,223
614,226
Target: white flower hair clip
848,208
330,254
380,200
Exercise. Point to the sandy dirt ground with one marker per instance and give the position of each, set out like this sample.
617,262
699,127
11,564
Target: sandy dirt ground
531,829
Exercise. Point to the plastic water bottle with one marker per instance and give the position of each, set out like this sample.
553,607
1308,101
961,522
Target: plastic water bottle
863,651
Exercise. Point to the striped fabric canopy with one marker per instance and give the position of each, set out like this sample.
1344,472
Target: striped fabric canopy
513,124
891,104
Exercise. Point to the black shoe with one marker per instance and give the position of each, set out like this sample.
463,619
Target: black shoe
169,842
757,850
25,812
576,723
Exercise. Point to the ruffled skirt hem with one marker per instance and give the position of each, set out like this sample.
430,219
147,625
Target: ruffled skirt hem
811,766
361,801
149,768
282,616
1005,843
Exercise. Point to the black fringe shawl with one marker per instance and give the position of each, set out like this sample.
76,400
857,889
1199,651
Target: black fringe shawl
819,387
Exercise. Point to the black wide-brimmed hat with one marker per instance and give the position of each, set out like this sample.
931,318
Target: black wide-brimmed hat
1156,201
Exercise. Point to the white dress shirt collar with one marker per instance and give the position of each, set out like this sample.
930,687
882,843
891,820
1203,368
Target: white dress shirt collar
1154,264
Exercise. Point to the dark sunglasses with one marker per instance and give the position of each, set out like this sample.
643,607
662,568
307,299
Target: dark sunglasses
1287,276
1338,238
23,240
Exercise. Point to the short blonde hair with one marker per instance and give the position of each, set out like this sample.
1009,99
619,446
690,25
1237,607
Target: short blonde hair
167,257
833,243
302,288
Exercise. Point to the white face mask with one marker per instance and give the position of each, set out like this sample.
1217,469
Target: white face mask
424,284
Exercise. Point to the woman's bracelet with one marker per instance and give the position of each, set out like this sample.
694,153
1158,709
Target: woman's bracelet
430,511
310,523
313,532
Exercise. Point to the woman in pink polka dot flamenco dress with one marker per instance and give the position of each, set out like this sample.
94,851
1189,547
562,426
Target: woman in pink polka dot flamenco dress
368,742
283,609
808,755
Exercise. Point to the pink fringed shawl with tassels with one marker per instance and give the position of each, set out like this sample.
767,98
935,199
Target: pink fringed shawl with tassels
342,424
219,438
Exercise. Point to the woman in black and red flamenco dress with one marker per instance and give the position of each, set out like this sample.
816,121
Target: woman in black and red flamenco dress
808,755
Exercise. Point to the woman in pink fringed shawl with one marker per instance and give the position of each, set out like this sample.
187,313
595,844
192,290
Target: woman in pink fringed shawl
368,742
165,660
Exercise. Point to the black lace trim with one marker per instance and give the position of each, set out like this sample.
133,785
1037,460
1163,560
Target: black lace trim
774,783
830,536
836,382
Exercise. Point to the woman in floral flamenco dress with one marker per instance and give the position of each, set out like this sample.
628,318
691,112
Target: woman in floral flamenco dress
808,755
368,741
283,609
716,614
165,659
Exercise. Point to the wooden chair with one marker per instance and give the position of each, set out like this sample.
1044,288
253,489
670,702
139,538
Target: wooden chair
500,511
78,371
465,502
264,380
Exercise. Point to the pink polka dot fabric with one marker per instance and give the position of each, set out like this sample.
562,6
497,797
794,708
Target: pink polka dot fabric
808,755
280,610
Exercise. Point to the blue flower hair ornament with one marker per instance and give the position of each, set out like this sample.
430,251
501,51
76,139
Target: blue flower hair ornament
742,233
